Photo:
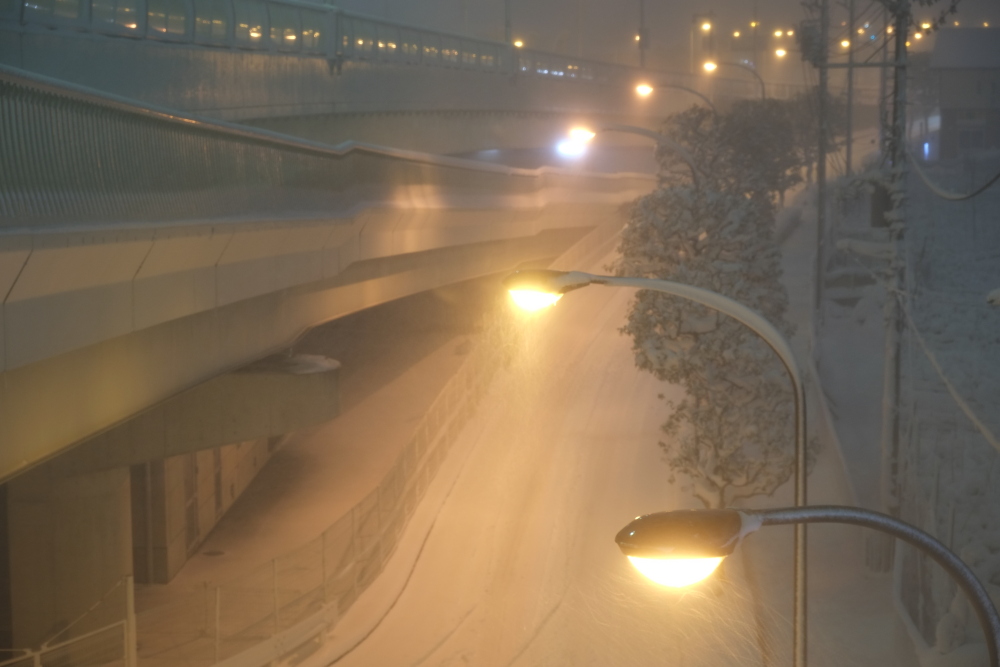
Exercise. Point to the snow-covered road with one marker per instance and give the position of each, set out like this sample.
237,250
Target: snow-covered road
520,566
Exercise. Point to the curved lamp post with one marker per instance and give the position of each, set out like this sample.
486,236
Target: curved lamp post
682,544
646,89
711,66
534,289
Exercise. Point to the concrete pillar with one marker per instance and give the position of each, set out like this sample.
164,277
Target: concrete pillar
69,540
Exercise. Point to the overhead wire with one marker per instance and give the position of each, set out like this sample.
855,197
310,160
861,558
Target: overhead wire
945,194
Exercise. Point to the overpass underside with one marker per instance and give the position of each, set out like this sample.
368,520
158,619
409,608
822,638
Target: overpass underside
148,258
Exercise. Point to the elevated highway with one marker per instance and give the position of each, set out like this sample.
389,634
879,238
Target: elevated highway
151,249
144,252
316,71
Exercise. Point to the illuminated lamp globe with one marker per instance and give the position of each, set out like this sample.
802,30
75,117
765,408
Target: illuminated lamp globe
535,289
677,549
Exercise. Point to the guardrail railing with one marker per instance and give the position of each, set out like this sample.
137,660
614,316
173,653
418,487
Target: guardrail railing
71,153
275,609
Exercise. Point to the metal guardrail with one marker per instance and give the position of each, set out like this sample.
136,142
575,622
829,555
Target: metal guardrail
275,609
71,153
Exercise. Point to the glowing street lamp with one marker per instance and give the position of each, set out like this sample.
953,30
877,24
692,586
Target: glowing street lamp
925,26
518,44
710,66
846,44
556,283
687,546
706,26
781,53
645,90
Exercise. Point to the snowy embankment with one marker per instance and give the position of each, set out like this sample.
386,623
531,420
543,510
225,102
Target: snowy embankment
948,477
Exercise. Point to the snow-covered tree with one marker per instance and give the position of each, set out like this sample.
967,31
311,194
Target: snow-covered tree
732,435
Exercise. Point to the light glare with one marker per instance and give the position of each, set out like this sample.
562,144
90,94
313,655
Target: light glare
518,43
781,53
845,44
531,300
571,148
644,89
706,26
581,134
676,572
710,66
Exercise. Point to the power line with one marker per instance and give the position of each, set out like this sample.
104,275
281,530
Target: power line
945,194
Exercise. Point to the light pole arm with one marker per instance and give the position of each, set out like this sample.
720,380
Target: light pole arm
756,323
759,325
704,98
986,611
763,93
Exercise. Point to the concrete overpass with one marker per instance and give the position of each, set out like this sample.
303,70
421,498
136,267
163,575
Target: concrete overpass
151,250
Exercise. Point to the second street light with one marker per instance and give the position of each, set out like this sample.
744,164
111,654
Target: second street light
647,89
535,289
682,547
711,65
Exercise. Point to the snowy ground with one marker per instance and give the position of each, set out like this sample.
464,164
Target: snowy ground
519,566
950,483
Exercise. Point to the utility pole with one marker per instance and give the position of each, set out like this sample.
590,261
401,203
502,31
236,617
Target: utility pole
506,22
849,130
897,276
883,116
642,34
824,85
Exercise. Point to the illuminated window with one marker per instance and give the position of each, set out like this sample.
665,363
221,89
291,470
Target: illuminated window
250,19
167,18
121,14
312,30
284,26
211,21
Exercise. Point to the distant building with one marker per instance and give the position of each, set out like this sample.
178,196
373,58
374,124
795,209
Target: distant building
967,63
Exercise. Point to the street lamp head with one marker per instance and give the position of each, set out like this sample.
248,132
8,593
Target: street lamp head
680,548
644,90
535,289
710,66
518,43
706,26
781,53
